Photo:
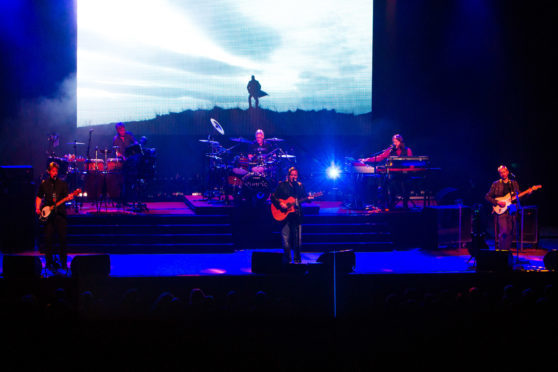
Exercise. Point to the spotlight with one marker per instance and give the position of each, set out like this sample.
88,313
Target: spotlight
333,172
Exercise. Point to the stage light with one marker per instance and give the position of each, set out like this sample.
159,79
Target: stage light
333,172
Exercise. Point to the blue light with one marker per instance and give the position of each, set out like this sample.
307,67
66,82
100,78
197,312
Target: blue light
333,172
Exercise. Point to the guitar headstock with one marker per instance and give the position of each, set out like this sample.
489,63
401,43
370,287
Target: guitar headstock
315,194
536,187
76,192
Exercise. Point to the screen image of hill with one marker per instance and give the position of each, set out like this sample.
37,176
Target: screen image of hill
137,59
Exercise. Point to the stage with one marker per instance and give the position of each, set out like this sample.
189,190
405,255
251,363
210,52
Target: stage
198,237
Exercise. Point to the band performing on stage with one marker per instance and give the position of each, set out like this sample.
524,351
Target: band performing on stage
249,174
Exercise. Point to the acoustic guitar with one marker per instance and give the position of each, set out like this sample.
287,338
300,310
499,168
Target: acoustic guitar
279,214
46,211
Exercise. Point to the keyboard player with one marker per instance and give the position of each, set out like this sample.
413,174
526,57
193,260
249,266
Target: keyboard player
395,185
398,148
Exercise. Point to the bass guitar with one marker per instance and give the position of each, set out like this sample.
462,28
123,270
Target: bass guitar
508,200
279,214
46,211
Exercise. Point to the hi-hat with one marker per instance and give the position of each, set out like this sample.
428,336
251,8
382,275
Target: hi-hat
287,156
75,143
213,156
217,126
240,139
209,141
274,139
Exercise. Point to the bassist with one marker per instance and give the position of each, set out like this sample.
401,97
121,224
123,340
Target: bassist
50,191
291,226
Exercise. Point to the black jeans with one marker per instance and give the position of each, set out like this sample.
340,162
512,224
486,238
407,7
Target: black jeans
291,234
504,230
56,225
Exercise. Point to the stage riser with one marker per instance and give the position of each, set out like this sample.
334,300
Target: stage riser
226,233
149,229
151,248
150,238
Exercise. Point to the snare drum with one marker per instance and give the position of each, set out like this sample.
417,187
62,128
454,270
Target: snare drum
95,165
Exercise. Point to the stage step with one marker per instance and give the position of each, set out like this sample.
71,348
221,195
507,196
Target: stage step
151,248
150,229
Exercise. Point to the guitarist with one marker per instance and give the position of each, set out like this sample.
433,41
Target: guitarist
291,232
503,222
50,191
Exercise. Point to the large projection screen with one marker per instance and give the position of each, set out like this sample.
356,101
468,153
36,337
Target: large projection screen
137,59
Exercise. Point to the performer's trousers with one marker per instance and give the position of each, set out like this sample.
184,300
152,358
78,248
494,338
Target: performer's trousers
56,225
504,230
291,234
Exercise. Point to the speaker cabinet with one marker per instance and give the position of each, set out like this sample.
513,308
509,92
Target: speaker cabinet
21,267
267,262
496,261
91,266
343,261
448,225
551,260
529,214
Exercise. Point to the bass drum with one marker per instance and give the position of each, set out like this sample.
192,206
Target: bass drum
256,187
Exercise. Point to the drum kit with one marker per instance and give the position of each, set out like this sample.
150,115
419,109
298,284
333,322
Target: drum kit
244,175
102,176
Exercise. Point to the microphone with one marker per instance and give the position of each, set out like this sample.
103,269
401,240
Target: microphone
513,175
90,130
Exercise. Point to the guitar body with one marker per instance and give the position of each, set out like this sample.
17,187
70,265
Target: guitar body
280,214
508,200
46,211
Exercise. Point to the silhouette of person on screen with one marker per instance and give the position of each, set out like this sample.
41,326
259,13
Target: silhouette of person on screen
255,91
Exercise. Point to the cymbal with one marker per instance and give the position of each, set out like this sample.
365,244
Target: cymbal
286,156
213,156
274,139
75,143
217,126
209,141
240,139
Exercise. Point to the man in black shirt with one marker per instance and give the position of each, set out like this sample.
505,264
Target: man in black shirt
291,232
50,191
503,222
123,139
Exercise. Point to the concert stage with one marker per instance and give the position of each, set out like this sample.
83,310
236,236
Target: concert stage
200,237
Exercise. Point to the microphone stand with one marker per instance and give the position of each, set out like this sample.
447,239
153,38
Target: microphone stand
518,235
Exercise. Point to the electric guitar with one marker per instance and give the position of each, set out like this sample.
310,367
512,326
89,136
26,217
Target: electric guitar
508,200
279,214
47,209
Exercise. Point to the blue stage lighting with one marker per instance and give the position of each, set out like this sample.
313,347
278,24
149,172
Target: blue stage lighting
333,172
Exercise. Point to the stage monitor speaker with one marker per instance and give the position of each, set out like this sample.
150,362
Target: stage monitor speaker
448,225
21,267
91,266
343,261
530,225
551,260
267,262
497,261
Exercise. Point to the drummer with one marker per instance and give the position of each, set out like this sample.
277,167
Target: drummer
122,140
260,146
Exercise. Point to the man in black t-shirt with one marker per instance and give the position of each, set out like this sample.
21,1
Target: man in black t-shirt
50,191
291,232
